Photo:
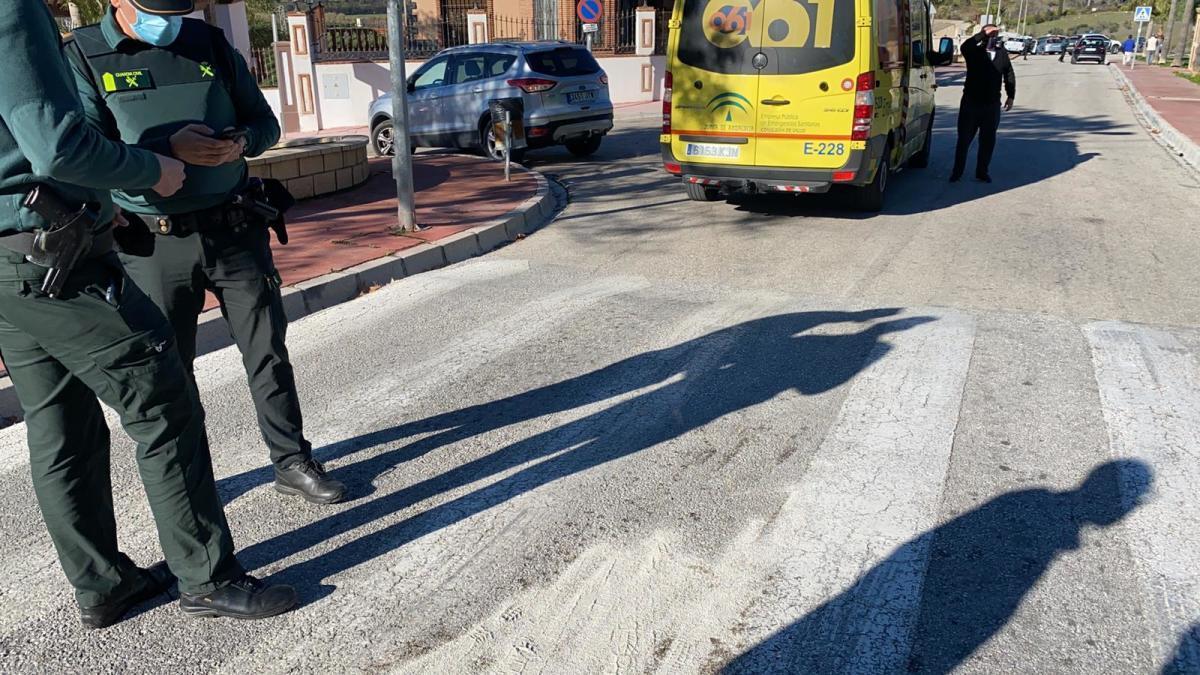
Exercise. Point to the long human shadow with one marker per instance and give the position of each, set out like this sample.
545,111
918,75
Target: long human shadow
977,568
666,393
1186,659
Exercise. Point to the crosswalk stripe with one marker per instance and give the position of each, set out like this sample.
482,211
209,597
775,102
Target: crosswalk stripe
1150,393
431,566
874,484
852,559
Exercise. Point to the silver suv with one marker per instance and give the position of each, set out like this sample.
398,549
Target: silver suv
565,94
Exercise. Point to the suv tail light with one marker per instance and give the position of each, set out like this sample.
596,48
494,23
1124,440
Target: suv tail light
864,107
604,79
532,85
668,81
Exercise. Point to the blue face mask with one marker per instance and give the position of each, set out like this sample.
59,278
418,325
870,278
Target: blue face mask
159,31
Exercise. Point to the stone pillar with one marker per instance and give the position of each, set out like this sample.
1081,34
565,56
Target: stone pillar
231,19
645,31
289,108
477,27
304,73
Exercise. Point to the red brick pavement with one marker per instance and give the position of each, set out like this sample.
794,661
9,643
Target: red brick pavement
1173,97
453,193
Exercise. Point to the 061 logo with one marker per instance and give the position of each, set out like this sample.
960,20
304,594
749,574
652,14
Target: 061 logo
784,23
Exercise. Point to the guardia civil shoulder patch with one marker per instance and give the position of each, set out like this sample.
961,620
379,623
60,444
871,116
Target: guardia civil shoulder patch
127,80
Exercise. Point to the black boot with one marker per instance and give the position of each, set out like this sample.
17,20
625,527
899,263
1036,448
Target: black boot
308,479
155,579
246,598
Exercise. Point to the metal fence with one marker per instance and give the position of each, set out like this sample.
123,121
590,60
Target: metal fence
425,38
262,64
508,29
422,39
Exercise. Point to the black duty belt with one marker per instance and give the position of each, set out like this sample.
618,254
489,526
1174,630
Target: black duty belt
22,242
223,217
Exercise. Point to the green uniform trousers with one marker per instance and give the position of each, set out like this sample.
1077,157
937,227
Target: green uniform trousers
61,354
238,268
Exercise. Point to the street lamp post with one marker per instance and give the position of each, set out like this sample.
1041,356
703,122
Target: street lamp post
402,166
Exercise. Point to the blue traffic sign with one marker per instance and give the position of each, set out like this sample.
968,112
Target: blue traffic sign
1142,14
589,11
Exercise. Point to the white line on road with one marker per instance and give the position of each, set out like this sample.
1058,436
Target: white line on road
1150,392
874,485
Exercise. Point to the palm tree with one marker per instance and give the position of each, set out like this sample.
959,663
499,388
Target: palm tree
1189,10
1166,46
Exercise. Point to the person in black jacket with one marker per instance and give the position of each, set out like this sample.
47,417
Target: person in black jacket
988,67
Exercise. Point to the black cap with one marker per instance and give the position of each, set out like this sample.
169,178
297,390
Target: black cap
165,7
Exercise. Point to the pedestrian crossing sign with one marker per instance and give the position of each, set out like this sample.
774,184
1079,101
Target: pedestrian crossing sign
1141,14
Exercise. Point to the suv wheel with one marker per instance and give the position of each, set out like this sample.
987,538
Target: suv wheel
585,146
383,138
487,144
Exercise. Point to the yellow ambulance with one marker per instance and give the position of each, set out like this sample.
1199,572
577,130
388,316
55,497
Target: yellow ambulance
798,95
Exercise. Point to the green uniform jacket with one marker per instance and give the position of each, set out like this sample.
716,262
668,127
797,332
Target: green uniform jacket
44,135
143,94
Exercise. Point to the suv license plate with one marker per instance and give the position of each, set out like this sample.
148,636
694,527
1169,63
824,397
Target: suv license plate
581,97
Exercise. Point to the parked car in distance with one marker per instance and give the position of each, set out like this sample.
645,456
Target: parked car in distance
1051,44
1069,45
1091,48
563,89
1014,44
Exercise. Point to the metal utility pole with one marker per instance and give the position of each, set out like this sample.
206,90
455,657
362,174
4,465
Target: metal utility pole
402,167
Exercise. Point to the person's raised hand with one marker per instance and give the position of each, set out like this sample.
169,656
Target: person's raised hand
991,30
171,176
195,144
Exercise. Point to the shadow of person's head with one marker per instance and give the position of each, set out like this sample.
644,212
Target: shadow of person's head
1111,491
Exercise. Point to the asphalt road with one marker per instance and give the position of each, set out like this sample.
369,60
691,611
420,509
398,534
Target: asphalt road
764,436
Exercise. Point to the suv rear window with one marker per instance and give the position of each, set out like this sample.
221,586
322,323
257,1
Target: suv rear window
796,36
563,62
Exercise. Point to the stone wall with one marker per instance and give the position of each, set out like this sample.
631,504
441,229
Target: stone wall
315,168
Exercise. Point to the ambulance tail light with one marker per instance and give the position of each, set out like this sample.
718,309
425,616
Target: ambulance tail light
864,107
666,108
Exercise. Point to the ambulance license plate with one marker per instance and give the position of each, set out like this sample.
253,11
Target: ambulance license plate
714,150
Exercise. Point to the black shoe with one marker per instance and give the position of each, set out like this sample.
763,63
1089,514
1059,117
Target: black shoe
954,177
155,579
309,480
246,598
983,178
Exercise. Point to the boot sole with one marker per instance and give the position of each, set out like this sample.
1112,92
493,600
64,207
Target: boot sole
293,492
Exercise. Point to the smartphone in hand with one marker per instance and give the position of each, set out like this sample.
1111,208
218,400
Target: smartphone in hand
233,135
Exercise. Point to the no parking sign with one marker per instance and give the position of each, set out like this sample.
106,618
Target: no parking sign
589,11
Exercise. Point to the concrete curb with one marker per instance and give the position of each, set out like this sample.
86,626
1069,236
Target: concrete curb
334,288
1161,130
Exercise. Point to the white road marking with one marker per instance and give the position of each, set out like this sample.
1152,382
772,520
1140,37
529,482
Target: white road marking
874,485
1150,393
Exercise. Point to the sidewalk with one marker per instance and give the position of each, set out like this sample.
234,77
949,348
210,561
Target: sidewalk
1169,103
